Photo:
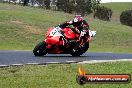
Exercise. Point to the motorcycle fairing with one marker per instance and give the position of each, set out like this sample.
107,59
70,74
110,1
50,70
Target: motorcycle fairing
69,34
54,40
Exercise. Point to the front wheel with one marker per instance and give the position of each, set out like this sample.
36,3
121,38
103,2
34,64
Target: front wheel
40,49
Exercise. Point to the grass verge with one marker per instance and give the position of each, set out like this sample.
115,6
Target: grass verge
60,76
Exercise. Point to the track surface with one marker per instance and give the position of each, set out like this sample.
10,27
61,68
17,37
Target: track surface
23,57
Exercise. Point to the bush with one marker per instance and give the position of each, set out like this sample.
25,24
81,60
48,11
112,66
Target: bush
81,7
65,5
126,17
47,4
103,13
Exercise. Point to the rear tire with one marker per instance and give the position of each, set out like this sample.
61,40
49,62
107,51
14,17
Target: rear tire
75,53
40,49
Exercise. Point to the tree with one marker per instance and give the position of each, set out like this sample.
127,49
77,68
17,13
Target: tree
65,5
47,4
88,6
81,7
26,2
103,13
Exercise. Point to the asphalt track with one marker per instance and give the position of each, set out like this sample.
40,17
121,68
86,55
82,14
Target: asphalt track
27,57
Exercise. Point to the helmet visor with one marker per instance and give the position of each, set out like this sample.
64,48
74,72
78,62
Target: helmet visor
75,20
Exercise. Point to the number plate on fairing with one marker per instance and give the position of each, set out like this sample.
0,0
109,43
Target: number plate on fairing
55,32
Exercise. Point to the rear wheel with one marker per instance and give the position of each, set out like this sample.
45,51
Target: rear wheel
75,53
40,49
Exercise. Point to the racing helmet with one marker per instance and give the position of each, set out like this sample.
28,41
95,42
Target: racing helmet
77,18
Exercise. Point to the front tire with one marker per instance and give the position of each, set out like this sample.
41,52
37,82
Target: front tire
85,47
40,49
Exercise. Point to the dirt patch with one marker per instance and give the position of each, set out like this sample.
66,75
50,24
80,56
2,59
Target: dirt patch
17,22
28,29
34,30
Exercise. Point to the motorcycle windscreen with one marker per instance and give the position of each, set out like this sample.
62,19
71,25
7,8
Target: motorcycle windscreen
48,32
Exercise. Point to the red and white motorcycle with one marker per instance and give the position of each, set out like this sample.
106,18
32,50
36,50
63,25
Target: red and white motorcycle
56,37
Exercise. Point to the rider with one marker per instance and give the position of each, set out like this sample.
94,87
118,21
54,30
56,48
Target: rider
80,25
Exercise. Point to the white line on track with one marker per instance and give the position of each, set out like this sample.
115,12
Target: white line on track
101,61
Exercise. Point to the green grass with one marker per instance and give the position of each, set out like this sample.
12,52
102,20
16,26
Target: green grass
117,8
22,27
60,76
112,37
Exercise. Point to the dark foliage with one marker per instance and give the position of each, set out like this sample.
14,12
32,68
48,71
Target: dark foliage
47,4
26,2
75,6
81,7
65,5
103,13
126,17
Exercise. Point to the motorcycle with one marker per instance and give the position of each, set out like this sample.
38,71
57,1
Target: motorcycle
63,41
